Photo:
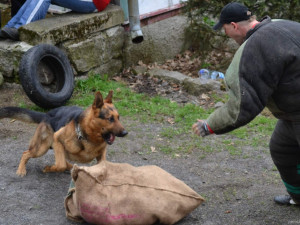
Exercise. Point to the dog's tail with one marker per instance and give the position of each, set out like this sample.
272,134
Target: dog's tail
21,114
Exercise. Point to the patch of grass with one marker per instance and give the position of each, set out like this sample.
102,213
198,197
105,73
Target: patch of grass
133,105
234,147
187,146
170,132
22,105
230,193
142,108
257,133
156,109
165,149
255,142
261,125
32,107
207,149
242,133
217,98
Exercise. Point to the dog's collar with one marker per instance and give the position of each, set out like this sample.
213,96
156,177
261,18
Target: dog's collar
79,132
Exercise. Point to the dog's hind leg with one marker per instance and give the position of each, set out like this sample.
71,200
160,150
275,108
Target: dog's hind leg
39,145
59,152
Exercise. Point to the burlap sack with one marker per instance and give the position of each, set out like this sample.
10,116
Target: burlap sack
117,194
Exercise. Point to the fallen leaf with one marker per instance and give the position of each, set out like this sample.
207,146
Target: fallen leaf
153,149
117,78
205,97
171,120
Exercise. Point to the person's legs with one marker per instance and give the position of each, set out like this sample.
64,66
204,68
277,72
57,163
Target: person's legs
15,6
81,6
31,10
285,152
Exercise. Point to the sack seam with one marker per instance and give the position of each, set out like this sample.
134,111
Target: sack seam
161,189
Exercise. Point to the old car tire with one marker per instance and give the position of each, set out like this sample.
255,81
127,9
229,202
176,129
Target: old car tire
46,76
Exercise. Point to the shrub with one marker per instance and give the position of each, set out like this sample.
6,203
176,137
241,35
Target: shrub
203,14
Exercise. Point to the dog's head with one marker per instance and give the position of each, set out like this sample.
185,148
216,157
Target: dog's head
105,120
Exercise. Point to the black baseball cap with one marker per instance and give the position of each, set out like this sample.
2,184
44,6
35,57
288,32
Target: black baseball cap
232,12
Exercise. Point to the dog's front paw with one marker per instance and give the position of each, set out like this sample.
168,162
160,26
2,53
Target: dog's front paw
48,169
21,173
54,168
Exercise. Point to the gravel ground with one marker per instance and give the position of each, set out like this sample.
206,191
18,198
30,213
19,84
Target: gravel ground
238,189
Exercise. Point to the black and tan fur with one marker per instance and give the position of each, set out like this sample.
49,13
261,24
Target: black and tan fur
74,134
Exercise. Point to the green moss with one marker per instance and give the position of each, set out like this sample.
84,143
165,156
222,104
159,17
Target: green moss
5,14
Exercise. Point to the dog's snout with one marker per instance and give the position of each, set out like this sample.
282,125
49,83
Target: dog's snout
122,134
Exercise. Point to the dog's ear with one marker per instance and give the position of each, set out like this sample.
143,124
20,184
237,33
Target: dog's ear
98,101
108,98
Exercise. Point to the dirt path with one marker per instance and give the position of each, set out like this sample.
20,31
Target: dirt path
238,189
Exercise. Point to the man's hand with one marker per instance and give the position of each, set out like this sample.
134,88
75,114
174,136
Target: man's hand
201,128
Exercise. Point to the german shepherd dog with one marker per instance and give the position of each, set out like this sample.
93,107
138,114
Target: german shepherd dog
74,134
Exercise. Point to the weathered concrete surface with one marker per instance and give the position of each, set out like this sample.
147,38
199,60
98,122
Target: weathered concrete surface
91,41
70,26
193,86
162,40
11,53
173,76
95,42
196,86
95,52
1,79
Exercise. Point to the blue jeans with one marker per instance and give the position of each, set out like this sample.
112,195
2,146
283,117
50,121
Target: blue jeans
33,10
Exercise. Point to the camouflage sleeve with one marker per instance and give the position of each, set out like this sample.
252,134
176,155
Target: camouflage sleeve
264,69
224,118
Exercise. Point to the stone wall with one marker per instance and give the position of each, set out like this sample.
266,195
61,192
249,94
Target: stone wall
95,42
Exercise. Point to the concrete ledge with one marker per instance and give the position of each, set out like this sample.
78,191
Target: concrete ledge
193,86
171,76
94,52
70,26
11,53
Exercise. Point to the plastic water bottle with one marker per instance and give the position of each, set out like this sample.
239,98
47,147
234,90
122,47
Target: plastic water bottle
208,74
204,74
216,75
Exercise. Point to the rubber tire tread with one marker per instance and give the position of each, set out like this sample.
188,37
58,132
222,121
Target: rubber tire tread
30,81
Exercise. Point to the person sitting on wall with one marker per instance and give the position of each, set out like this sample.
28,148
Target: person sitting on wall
33,10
